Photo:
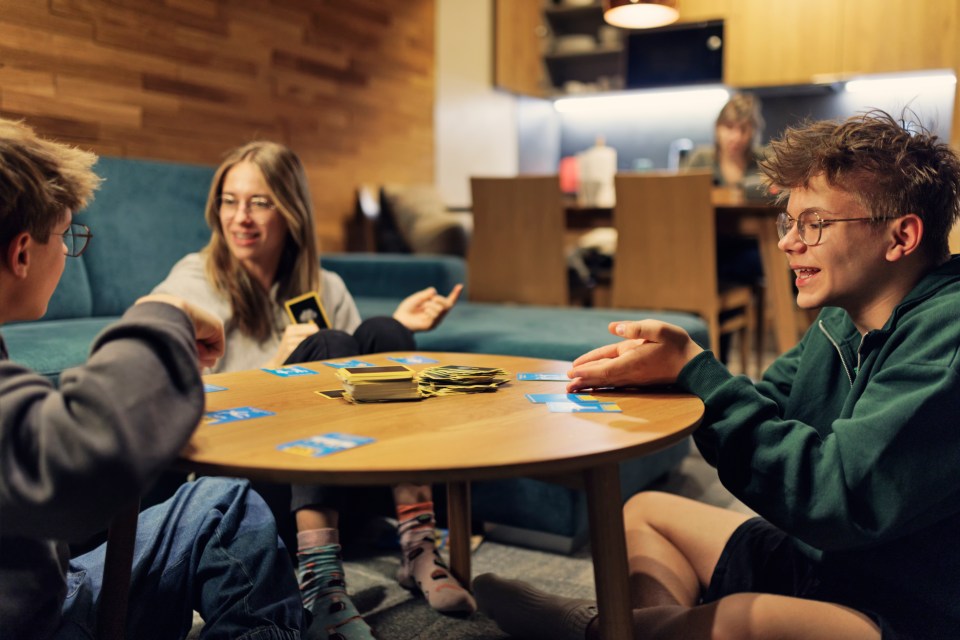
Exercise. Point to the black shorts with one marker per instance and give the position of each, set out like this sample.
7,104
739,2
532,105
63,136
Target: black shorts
760,558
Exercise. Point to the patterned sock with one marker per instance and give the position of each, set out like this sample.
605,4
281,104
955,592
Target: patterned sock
524,611
324,590
422,566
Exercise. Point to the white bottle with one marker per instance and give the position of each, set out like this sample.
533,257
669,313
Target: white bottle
598,165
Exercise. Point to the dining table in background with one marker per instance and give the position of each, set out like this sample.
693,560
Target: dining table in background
736,215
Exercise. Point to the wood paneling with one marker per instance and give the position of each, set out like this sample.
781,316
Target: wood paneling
348,85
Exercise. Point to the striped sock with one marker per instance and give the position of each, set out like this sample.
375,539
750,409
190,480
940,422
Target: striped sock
324,590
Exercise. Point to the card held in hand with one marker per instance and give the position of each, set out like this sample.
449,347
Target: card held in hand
307,308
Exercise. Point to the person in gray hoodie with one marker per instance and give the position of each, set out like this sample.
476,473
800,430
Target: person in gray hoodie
71,458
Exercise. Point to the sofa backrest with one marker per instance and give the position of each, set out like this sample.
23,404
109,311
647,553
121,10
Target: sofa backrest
145,217
395,276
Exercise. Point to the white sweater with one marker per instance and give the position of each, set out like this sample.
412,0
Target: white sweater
188,279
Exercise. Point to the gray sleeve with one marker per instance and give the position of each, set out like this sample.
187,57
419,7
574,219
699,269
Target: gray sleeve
338,302
69,458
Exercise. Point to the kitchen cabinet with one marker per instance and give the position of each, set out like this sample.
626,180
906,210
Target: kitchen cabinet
782,42
882,36
597,59
520,38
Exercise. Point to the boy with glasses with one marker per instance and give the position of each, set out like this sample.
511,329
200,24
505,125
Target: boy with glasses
71,458
848,448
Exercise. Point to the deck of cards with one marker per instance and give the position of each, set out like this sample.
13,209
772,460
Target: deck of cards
453,379
379,384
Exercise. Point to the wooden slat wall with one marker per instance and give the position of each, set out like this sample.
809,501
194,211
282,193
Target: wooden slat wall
348,84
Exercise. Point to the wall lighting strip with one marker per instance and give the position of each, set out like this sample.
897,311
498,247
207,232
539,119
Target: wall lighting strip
640,100
903,84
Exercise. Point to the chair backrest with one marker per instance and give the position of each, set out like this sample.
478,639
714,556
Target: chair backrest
517,250
666,243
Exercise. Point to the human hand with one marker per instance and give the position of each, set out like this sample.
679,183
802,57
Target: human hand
425,309
292,336
653,352
207,328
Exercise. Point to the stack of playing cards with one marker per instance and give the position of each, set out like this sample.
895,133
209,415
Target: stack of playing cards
451,379
379,384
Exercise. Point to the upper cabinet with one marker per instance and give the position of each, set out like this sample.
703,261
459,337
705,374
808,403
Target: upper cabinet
520,39
781,42
897,35
543,45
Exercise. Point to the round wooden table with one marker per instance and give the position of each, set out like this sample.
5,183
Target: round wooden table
453,439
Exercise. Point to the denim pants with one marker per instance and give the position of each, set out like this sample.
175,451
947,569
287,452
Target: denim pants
213,548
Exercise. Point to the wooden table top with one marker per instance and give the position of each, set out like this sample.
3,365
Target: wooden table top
454,438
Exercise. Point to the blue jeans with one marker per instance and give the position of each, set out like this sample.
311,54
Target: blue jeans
213,548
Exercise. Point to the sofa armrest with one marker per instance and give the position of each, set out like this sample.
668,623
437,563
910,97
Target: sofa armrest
396,275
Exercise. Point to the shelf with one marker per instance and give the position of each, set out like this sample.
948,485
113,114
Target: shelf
574,20
585,66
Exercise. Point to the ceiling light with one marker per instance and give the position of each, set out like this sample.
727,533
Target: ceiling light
640,14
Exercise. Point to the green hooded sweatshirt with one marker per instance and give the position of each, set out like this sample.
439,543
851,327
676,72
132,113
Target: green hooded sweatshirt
851,444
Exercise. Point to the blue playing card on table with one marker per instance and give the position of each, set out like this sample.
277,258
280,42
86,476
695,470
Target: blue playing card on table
579,398
414,360
212,388
574,407
324,445
349,363
543,376
291,371
235,415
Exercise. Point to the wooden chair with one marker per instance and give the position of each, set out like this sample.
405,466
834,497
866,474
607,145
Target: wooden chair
666,255
517,250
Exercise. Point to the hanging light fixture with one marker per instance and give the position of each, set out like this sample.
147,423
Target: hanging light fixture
640,14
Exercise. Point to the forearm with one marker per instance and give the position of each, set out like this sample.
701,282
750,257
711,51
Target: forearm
71,457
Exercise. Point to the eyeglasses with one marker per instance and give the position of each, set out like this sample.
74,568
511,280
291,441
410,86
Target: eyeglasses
76,239
810,225
257,204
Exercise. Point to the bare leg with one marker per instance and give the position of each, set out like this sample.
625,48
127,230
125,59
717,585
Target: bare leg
673,546
310,518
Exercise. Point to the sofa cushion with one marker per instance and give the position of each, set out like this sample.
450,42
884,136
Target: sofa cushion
423,220
146,216
51,346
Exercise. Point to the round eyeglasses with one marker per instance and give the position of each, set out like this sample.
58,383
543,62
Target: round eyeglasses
810,225
76,239
257,204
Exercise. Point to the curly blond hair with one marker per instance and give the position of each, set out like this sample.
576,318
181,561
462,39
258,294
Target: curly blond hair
893,167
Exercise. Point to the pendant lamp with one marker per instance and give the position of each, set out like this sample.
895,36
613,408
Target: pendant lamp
640,14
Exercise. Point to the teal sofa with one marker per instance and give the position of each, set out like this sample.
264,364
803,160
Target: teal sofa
149,214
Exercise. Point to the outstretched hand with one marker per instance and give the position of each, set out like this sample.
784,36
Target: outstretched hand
207,328
425,309
652,352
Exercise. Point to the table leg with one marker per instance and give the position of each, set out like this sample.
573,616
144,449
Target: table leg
115,592
609,548
780,293
458,519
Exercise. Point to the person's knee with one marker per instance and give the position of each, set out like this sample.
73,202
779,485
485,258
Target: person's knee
733,617
646,507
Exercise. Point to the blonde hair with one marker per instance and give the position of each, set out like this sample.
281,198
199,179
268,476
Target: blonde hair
40,180
298,271
743,108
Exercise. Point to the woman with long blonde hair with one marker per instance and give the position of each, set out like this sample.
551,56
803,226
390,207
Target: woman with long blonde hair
263,252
